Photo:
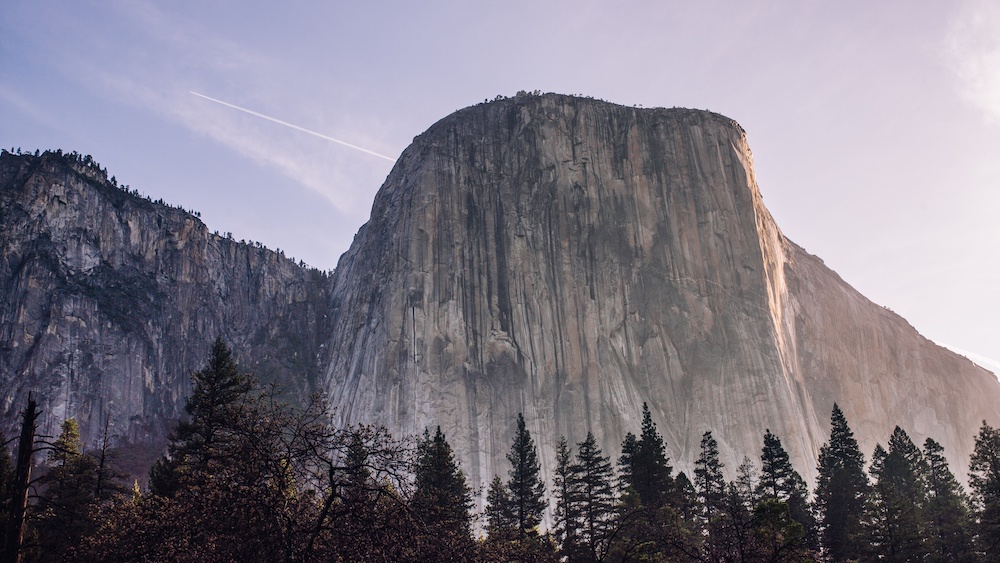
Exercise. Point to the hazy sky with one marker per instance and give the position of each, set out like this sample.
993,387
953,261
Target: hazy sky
875,126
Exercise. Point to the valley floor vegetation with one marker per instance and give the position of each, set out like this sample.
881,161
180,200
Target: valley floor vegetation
249,478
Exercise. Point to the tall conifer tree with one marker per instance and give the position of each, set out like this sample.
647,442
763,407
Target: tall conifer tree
592,476
651,469
500,522
894,516
214,411
947,517
984,481
708,479
781,482
527,491
567,509
67,503
841,491
441,497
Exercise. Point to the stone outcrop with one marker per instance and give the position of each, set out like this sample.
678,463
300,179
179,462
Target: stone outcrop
572,259
557,256
110,301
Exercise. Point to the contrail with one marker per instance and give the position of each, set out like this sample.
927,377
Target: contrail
293,126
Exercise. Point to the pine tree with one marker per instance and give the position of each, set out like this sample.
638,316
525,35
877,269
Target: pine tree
67,503
500,522
984,481
626,465
947,518
779,481
527,491
214,411
841,491
745,484
650,469
441,493
593,476
708,479
894,516
567,510
686,497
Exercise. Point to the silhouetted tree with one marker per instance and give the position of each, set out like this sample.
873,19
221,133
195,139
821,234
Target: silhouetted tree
647,469
708,480
501,525
948,532
841,491
442,500
214,408
527,491
592,476
984,481
65,508
566,515
780,481
894,516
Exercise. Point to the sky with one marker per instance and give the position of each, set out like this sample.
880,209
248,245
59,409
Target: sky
875,126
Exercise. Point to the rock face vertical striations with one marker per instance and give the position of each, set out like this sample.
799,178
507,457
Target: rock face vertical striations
560,257
571,259
111,301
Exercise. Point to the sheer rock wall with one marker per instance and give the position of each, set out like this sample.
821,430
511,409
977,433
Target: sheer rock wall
111,301
571,259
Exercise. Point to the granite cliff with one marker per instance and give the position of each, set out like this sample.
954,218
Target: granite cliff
110,301
571,259
562,257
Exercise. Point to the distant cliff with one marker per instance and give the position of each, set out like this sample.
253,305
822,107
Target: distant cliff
110,301
562,257
571,259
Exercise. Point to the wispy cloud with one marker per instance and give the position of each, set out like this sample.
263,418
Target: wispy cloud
181,55
972,47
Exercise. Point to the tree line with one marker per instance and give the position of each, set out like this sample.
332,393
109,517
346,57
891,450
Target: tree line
247,477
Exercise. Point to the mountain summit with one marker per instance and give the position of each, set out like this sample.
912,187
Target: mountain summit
561,257
572,259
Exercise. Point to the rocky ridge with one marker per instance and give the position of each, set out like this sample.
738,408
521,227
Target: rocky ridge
110,301
557,256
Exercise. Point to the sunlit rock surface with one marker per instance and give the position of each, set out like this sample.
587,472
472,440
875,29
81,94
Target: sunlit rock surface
562,257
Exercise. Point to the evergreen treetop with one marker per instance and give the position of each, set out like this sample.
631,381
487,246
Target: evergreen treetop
841,491
984,482
527,491
441,493
651,471
708,479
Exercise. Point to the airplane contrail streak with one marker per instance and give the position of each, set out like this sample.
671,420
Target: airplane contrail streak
293,126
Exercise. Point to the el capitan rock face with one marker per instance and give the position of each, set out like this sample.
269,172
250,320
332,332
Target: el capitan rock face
562,257
571,259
